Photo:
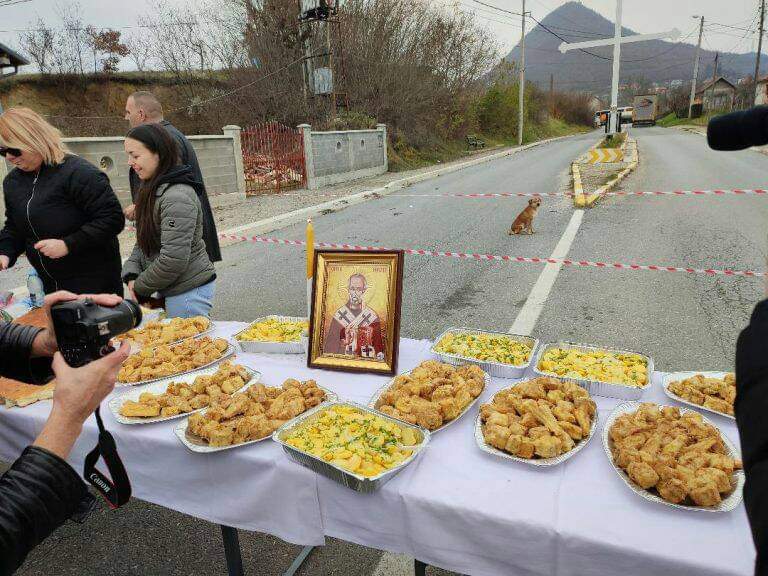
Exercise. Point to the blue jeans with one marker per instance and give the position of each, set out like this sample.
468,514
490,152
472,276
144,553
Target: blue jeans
196,302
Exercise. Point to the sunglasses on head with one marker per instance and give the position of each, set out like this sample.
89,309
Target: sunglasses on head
12,151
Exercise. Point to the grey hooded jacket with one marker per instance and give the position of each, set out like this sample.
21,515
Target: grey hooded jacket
182,264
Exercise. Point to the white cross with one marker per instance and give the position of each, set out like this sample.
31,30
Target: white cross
617,41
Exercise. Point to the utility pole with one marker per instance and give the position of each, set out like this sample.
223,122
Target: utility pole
552,94
521,104
696,68
615,120
759,47
714,81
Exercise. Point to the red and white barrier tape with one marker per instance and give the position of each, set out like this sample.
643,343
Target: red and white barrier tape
716,192
505,258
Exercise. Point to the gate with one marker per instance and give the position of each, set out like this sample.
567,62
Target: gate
273,158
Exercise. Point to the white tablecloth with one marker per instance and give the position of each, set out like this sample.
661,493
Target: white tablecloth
455,507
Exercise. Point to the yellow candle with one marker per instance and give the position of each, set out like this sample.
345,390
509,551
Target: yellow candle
310,248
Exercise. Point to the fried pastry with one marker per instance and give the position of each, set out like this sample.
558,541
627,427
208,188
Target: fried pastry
255,413
539,418
717,394
181,398
163,361
432,394
157,333
679,456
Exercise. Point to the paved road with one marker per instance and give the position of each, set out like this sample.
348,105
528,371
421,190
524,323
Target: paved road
684,322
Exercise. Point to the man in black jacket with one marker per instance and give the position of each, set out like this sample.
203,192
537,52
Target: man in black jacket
41,491
144,108
751,409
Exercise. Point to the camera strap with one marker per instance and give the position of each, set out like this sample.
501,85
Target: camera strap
116,491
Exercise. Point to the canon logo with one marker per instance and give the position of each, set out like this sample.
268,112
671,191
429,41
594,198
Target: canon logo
99,482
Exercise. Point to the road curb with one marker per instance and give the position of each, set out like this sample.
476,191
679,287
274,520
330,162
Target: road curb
582,200
295,216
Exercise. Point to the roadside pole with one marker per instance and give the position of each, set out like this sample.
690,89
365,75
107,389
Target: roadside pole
521,97
696,68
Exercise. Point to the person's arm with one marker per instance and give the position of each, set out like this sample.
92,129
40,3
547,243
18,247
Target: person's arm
91,191
751,407
12,242
41,491
178,219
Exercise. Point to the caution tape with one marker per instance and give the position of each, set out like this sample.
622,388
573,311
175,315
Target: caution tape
505,258
715,192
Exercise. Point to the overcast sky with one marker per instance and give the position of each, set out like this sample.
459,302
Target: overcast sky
640,15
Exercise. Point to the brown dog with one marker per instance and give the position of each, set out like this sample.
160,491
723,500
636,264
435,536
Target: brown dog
524,220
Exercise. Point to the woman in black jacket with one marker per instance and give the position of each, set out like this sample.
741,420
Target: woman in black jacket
41,491
60,210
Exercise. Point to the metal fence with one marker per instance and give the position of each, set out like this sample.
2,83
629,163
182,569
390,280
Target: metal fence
273,158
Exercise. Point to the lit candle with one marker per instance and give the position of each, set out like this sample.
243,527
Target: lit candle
310,248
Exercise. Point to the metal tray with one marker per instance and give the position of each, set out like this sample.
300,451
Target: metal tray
357,482
485,447
737,479
596,387
674,376
200,446
375,398
136,347
298,347
159,387
227,353
495,369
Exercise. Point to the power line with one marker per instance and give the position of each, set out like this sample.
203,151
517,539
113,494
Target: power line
496,8
563,39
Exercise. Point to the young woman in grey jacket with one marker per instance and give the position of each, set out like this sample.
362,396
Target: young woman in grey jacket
170,256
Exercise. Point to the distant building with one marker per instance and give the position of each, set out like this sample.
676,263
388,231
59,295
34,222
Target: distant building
762,91
10,59
675,83
721,96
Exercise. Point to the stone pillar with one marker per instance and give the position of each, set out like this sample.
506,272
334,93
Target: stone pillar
382,128
309,162
237,147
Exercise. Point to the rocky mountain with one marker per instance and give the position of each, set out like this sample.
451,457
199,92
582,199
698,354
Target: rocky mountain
655,60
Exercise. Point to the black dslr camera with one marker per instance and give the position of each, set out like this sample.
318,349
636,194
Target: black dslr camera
84,328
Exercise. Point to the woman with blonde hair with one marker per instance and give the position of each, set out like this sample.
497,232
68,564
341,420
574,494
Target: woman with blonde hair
59,209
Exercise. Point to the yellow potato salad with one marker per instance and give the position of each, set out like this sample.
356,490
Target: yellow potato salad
485,347
627,369
274,330
354,440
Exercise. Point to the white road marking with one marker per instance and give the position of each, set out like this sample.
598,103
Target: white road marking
529,315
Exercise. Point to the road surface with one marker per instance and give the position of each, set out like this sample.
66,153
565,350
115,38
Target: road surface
685,322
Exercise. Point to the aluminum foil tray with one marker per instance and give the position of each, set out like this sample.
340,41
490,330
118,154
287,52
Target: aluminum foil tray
494,369
159,387
377,395
199,445
298,347
737,478
595,387
675,376
227,353
351,480
543,462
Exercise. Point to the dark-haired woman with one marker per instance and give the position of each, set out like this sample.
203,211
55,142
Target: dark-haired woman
169,256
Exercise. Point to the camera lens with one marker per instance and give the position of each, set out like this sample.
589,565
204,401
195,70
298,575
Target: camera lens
127,317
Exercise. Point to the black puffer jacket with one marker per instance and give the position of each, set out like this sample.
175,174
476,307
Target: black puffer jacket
40,491
751,408
74,202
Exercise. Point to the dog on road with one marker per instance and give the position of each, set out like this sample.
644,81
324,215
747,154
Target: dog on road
524,220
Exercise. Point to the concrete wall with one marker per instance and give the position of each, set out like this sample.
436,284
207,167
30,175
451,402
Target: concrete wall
220,158
334,157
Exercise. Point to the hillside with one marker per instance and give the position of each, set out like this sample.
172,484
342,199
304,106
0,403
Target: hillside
656,60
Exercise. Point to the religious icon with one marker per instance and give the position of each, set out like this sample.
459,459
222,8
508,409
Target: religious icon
355,319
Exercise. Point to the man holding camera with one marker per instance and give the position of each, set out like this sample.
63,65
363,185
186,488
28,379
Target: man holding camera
41,490
731,132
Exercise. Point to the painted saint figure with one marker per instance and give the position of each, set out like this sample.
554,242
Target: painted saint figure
355,329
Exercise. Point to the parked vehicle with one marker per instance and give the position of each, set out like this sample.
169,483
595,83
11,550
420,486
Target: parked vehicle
646,110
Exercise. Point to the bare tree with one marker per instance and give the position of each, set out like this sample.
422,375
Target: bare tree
139,50
71,42
39,42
